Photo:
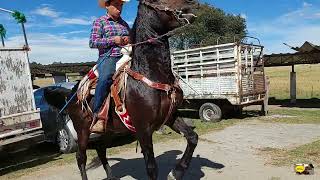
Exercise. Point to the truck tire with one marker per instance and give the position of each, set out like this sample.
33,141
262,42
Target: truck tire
65,141
210,112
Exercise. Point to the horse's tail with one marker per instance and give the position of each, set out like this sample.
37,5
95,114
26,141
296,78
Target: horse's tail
57,96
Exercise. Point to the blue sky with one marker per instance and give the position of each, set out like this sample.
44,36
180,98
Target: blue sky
59,30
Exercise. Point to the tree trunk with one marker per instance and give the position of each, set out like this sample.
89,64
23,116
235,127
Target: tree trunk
2,41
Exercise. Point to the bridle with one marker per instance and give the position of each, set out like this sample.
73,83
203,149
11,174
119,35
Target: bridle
176,13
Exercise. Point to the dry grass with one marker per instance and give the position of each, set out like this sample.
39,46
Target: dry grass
292,116
308,153
43,82
308,81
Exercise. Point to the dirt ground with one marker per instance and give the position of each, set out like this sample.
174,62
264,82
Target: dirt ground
230,154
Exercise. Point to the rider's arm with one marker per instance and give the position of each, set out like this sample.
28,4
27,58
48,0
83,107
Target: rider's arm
97,39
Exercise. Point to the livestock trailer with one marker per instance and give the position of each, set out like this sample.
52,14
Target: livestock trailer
218,78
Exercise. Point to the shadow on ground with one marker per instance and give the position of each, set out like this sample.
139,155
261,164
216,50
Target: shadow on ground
135,168
301,103
34,156
193,114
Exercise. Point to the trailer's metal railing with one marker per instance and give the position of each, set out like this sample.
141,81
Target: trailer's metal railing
226,70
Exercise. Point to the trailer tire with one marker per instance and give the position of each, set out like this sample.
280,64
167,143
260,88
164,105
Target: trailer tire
210,112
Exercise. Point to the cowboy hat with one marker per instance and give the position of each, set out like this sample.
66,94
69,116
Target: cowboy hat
102,3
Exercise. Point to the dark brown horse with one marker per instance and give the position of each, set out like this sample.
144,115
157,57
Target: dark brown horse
147,107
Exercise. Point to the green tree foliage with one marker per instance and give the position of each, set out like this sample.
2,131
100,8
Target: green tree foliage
211,24
20,17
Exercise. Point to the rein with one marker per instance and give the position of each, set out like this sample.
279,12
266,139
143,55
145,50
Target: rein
154,39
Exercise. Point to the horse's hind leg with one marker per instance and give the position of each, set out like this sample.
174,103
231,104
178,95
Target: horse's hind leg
147,150
81,153
102,152
192,138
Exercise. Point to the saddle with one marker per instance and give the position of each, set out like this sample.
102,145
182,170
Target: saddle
88,83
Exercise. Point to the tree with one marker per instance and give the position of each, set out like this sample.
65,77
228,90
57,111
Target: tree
211,25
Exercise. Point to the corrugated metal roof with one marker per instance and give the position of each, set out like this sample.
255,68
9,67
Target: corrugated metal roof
307,47
308,53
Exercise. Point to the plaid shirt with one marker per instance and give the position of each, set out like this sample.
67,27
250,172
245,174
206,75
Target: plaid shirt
103,31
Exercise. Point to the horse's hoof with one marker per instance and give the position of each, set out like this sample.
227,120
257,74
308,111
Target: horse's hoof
171,176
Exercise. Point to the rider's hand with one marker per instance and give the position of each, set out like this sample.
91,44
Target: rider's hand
118,40
126,40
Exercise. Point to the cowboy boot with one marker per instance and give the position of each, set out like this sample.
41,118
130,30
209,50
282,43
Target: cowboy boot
101,117
98,127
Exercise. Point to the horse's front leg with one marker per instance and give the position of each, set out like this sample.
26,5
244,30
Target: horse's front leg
145,141
81,153
101,151
192,138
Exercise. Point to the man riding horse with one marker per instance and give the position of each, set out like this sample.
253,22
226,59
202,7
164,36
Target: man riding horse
151,89
108,34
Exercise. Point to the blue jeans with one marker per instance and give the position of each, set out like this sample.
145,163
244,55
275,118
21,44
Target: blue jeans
106,69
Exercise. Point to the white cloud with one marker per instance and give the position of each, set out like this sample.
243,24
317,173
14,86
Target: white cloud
306,12
58,19
294,28
70,21
243,15
47,11
305,4
74,32
47,48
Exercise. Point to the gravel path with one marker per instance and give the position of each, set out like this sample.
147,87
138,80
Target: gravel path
230,154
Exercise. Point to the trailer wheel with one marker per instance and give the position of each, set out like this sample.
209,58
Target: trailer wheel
210,112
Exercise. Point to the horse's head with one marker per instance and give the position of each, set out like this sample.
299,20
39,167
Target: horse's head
56,96
173,13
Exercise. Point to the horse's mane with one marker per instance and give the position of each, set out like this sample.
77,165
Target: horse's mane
133,32
142,11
